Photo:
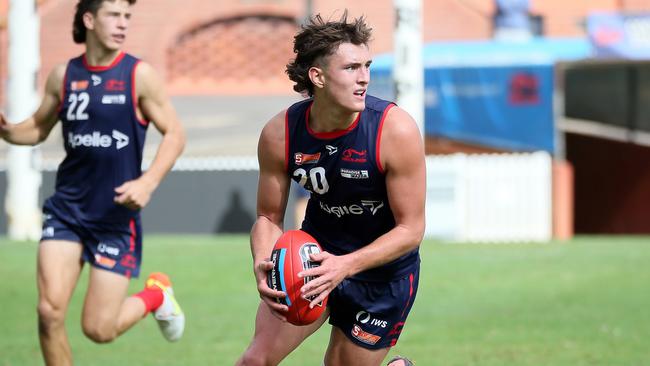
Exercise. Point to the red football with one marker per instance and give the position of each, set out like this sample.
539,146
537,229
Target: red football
290,256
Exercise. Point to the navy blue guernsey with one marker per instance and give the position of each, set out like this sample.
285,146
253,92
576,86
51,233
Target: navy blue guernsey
348,206
103,140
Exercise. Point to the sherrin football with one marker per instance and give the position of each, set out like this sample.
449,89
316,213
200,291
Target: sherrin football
290,256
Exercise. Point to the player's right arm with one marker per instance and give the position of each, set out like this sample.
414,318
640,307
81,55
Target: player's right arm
36,128
272,195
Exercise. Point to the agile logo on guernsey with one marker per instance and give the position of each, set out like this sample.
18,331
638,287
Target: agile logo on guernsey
96,139
352,209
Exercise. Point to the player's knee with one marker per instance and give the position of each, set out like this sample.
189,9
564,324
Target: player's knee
98,332
49,315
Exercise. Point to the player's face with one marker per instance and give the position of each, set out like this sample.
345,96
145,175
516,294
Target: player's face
111,23
347,74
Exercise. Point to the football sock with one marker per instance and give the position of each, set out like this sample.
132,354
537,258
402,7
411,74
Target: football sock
152,298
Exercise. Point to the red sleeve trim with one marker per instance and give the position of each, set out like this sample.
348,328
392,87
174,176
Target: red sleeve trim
286,141
134,96
65,81
378,143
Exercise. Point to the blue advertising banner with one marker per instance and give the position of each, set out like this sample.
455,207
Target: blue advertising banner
506,107
495,94
615,35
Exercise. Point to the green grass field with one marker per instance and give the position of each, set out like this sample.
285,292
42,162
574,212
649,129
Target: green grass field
585,302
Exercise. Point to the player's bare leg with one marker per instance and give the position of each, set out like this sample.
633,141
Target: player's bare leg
107,311
58,269
275,339
342,351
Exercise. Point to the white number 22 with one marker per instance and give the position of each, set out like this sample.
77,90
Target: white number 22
80,103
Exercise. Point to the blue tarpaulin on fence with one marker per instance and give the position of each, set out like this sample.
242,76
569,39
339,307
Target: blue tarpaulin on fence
497,94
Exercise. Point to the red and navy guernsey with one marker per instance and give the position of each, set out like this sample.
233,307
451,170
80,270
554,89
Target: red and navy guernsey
103,139
348,206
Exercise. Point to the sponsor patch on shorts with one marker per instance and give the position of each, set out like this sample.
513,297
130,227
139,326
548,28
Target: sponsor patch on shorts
364,336
104,261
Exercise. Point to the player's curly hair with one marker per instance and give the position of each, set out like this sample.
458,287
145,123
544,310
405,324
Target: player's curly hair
319,38
83,7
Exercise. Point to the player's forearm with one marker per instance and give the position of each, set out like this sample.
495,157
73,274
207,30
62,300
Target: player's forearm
400,240
24,133
169,150
263,236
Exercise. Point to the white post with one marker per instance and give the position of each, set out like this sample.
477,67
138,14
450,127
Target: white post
23,162
408,71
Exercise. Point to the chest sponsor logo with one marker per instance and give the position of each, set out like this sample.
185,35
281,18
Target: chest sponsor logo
331,150
115,85
78,85
121,140
96,79
366,206
302,158
114,99
354,174
363,336
364,317
96,139
355,156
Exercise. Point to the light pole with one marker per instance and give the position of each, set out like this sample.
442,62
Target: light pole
408,71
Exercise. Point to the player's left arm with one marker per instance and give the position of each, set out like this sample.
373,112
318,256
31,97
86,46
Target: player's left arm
155,106
402,157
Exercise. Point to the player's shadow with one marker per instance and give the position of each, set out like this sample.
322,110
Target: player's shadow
236,219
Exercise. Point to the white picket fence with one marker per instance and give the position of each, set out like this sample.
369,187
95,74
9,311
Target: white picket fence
489,197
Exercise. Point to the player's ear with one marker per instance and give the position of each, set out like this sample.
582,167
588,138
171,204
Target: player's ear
89,20
316,76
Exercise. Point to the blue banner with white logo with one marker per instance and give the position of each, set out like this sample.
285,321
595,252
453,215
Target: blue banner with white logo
496,94
505,107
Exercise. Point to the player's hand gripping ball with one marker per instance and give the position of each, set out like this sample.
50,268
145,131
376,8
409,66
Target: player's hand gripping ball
290,256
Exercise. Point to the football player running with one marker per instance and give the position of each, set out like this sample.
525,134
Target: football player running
105,100
362,160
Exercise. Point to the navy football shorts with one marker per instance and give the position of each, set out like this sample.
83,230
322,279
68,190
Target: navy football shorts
372,314
118,249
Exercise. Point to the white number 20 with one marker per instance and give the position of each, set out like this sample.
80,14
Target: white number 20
316,176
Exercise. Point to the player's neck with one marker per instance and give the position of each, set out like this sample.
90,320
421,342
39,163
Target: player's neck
100,56
324,117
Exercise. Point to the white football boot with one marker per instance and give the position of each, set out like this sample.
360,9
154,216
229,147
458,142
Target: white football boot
169,315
